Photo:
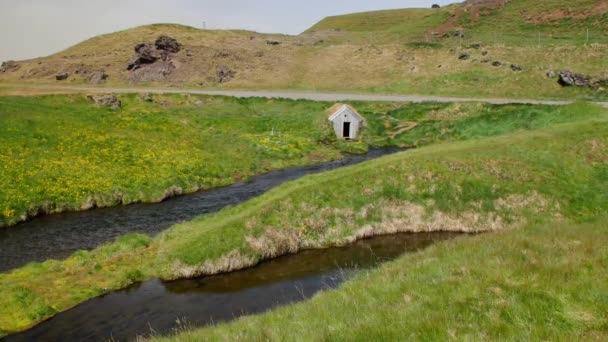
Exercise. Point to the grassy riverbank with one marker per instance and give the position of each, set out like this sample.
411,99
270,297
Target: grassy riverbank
545,282
523,179
61,153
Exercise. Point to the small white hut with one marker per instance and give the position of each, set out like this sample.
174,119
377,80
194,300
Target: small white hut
347,122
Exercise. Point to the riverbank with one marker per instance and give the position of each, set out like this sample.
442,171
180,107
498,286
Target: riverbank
521,179
61,153
545,282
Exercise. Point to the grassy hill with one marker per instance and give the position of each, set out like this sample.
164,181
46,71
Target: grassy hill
408,51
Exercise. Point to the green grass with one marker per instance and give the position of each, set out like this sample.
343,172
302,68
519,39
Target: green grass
524,178
546,282
61,153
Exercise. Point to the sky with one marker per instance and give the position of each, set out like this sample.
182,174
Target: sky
35,28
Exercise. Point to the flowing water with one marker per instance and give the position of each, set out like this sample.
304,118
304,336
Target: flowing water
58,236
159,308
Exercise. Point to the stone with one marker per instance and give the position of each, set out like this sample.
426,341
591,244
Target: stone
273,42
98,77
62,76
551,74
568,78
155,72
144,54
496,63
485,60
223,74
516,67
484,53
168,44
107,100
475,46
222,54
435,6
9,66
464,56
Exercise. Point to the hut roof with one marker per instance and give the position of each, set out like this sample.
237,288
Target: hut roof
338,108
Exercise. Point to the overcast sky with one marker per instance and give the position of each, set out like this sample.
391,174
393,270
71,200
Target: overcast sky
34,28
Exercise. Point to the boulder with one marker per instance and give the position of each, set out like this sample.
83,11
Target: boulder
516,67
435,6
484,53
223,74
107,100
9,66
464,56
81,69
166,43
144,54
273,42
475,46
496,63
62,76
98,77
551,74
568,78
485,60
156,72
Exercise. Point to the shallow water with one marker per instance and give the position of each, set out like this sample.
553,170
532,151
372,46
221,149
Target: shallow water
155,307
58,236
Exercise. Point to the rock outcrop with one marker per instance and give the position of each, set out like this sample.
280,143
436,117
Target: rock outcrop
144,54
107,100
155,72
516,67
153,63
568,78
168,44
223,74
9,66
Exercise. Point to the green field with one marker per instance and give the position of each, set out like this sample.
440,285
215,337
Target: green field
523,178
62,153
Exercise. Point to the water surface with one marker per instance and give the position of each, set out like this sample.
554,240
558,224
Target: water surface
157,307
58,236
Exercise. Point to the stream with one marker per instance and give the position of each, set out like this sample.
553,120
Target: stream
58,236
157,308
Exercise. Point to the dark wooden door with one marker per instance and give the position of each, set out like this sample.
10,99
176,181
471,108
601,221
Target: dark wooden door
346,130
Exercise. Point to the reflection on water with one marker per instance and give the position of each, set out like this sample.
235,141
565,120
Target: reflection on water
156,306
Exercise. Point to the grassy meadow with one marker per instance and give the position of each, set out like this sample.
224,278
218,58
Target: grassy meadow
61,153
554,177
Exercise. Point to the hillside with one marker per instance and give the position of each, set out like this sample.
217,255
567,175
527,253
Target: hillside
508,47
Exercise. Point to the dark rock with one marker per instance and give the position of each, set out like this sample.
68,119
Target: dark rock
568,78
62,76
485,60
147,97
223,74
273,42
144,54
516,67
156,72
551,74
464,56
109,100
496,63
435,6
9,66
484,53
475,46
98,77
168,44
